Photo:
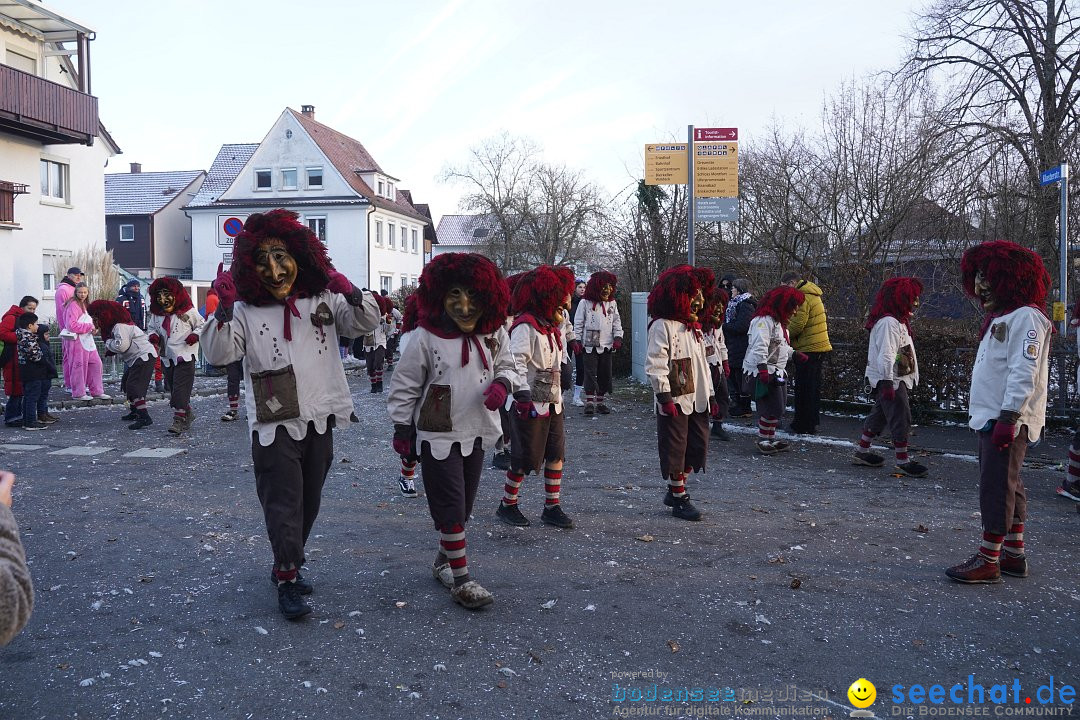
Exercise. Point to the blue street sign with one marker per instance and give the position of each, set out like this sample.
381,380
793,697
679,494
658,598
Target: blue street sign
1051,176
716,209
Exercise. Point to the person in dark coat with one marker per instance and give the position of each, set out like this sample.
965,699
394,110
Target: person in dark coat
740,310
9,361
132,299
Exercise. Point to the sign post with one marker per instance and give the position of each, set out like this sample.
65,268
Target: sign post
1060,174
690,196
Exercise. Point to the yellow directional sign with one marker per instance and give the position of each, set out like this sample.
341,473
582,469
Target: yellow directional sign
666,164
716,169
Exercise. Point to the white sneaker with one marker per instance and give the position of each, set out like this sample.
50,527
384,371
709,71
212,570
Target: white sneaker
85,397
103,396
578,402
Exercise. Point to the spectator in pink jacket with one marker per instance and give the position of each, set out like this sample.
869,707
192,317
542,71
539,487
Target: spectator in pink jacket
85,364
64,290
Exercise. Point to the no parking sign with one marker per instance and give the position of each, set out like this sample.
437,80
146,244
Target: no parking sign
229,226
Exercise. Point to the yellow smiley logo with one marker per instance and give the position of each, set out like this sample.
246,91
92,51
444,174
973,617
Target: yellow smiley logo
862,693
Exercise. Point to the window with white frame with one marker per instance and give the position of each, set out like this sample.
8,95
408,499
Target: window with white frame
390,190
288,178
262,180
382,188
378,233
412,281
317,223
404,280
48,281
314,178
54,180
127,233
386,283
414,245
391,235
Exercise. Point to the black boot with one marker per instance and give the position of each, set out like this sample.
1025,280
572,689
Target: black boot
132,414
142,419
290,601
719,432
681,507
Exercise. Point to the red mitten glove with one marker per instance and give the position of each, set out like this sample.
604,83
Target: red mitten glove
524,410
888,392
154,339
1003,434
495,396
576,347
617,345
191,339
801,357
727,368
763,375
405,440
339,283
667,405
714,408
225,287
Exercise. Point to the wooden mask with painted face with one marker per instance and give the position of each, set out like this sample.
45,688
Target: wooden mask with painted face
463,306
276,267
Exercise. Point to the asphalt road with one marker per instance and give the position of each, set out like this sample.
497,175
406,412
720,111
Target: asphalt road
153,597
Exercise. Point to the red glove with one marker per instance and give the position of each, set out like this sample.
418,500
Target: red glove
763,375
576,347
617,345
714,408
888,392
801,357
668,409
1003,434
405,441
727,368
495,396
225,287
154,339
339,283
191,339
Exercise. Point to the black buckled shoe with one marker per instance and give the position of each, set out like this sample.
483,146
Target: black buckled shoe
511,515
291,602
304,586
554,515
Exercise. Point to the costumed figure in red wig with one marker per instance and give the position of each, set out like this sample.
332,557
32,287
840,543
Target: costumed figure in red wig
501,459
282,308
892,370
716,352
1007,402
765,363
410,461
122,337
599,333
678,370
538,438
454,374
373,346
174,330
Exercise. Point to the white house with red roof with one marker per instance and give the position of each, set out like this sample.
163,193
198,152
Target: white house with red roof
373,232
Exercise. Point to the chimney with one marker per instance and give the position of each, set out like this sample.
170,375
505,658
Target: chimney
308,111
136,168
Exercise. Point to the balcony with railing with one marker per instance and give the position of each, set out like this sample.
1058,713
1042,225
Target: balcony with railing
45,111
8,191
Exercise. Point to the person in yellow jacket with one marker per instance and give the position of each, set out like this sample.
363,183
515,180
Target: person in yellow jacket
809,333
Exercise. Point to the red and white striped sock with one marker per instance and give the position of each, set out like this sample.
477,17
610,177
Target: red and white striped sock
1074,465
234,402
590,399
512,486
990,548
180,413
286,572
138,404
866,439
1014,540
767,427
378,376
452,542
408,468
901,453
552,484
677,485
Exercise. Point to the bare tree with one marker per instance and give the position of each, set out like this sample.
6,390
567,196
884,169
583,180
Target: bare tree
542,213
647,235
1012,69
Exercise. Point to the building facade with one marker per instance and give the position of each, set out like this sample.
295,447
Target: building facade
373,232
53,150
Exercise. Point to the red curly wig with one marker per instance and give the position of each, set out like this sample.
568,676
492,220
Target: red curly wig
1016,275
181,299
409,315
896,298
313,266
670,297
108,314
470,270
718,299
511,284
599,279
780,303
543,290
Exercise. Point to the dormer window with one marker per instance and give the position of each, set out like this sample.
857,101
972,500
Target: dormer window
382,188
390,190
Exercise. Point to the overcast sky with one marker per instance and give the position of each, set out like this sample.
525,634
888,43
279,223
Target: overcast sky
420,82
